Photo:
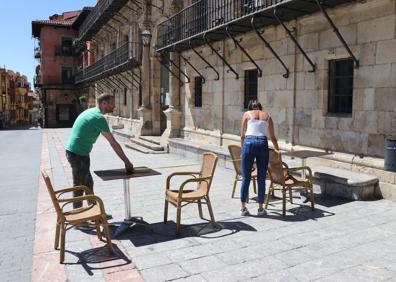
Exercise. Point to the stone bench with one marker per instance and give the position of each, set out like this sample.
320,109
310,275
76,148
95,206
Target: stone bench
345,183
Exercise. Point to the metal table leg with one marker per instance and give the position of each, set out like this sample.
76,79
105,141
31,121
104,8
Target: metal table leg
129,219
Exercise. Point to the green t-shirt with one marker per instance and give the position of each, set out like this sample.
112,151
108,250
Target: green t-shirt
86,129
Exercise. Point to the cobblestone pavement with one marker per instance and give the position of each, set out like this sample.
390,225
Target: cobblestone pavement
339,241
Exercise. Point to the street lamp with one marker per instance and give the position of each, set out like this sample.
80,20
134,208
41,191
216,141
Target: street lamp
146,37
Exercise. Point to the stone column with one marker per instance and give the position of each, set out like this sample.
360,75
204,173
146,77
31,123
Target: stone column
145,108
173,113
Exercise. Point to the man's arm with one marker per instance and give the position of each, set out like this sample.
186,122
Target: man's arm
117,148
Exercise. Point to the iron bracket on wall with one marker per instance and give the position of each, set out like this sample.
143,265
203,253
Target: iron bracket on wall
290,33
191,65
205,37
120,81
285,75
236,42
203,59
170,71
115,85
101,90
130,81
108,85
337,32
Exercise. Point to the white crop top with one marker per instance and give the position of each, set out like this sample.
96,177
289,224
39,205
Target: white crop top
256,127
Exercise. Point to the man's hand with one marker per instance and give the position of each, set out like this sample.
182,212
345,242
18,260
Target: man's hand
129,167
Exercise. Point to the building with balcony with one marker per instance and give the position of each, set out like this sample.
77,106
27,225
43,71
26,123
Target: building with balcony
14,101
58,64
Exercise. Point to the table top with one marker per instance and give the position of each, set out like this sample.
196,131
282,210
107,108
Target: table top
113,174
303,154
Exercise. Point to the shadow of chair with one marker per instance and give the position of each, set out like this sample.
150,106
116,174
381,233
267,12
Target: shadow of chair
181,197
236,152
281,175
66,219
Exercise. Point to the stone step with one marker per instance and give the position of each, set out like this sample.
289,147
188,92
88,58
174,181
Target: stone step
152,139
134,146
122,134
147,144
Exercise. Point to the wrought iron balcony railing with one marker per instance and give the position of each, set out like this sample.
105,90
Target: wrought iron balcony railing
212,16
205,15
103,11
125,57
37,80
37,53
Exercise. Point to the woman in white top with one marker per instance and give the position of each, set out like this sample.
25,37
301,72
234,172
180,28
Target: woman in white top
256,126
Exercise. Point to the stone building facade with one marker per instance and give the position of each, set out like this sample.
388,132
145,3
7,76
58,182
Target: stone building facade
300,104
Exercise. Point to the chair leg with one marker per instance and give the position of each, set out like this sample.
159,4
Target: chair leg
98,233
290,195
166,211
56,245
178,216
234,187
312,198
270,190
283,201
62,242
107,234
200,209
254,185
210,209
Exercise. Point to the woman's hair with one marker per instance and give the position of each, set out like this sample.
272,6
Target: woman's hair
254,105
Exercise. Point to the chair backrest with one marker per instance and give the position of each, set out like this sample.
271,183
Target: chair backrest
51,192
236,152
209,162
275,168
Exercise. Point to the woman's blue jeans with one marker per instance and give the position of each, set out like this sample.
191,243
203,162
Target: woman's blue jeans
254,148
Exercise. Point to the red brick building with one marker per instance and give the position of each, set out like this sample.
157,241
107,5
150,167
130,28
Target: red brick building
59,62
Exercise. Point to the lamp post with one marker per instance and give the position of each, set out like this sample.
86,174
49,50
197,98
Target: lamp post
146,38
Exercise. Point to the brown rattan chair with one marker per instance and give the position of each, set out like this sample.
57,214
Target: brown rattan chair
181,197
281,175
236,152
66,219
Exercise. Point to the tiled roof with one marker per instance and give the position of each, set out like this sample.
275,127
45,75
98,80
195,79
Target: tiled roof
54,22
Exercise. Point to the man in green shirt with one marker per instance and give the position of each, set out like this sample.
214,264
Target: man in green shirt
86,129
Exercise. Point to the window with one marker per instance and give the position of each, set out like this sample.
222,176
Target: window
67,46
340,86
250,87
198,91
67,75
125,96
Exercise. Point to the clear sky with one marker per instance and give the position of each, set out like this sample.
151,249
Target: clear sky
16,42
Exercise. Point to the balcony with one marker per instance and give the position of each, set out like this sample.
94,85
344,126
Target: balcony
126,57
37,53
65,51
212,16
37,80
101,14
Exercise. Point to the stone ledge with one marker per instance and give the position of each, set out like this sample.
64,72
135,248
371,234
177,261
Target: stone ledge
346,184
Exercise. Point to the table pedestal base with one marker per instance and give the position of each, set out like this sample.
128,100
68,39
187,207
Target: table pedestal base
130,222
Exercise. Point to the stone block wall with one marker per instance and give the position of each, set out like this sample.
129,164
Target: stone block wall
298,104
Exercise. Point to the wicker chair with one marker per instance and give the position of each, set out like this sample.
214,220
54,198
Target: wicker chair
66,219
181,197
280,174
235,152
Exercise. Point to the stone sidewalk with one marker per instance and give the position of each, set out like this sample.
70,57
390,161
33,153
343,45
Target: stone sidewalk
339,241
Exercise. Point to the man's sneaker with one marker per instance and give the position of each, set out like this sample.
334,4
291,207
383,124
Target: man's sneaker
261,212
245,212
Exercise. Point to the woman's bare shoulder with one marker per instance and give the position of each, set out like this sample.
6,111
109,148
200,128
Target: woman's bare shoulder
264,115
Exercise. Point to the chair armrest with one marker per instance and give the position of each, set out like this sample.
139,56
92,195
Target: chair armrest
302,168
192,180
83,198
168,179
72,189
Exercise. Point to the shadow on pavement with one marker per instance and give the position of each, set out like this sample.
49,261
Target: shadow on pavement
160,232
92,258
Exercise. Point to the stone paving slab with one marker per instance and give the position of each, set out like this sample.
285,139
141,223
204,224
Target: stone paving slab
332,243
